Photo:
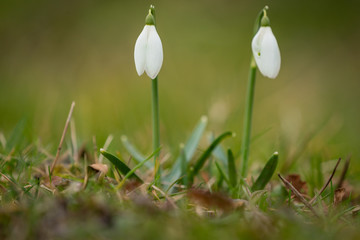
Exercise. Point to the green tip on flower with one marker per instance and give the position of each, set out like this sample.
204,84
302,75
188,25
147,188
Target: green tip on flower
265,21
150,18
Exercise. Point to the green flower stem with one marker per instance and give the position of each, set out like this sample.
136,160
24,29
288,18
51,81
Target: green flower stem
245,148
156,128
248,118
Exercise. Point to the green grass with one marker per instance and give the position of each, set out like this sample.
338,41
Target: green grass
77,203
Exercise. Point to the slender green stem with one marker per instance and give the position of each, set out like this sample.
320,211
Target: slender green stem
245,148
155,124
247,119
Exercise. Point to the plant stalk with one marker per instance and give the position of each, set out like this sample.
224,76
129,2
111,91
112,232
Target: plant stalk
155,125
248,118
245,148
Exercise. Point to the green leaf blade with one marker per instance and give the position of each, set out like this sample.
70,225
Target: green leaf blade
206,154
222,173
232,169
132,171
134,152
266,173
122,167
189,149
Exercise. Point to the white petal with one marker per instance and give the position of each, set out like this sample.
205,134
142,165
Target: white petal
266,52
154,53
140,50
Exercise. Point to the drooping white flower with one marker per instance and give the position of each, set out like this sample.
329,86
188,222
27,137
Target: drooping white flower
148,53
266,51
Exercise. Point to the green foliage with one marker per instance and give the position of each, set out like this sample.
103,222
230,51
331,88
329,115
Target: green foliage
16,136
188,151
206,154
222,173
133,151
132,171
266,173
122,167
232,169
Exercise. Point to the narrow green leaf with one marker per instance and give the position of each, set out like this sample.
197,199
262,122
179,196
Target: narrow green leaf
206,154
183,164
134,152
193,141
173,183
189,149
132,171
16,135
345,211
219,152
232,169
259,135
122,167
266,173
222,173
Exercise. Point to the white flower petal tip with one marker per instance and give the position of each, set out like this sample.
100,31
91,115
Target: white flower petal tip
266,52
148,53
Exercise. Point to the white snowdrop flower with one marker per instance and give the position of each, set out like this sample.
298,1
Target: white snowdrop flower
266,50
148,53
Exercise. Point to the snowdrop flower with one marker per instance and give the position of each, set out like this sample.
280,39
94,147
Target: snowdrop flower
266,50
148,53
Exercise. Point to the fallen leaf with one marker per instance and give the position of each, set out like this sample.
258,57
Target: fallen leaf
211,200
356,210
296,181
239,203
99,167
339,195
349,189
56,181
131,185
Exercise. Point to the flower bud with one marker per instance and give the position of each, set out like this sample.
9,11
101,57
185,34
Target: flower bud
148,53
266,50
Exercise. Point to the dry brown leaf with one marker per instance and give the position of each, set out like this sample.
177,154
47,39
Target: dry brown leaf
56,181
339,195
131,185
99,167
239,203
296,181
211,200
349,189
356,210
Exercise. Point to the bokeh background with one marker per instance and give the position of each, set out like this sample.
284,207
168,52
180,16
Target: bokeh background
54,52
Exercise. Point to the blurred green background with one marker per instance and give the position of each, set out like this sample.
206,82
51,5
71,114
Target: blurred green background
53,52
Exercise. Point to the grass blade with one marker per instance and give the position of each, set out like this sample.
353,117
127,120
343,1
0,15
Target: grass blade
232,169
266,173
189,149
183,164
219,152
132,172
134,152
122,167
192,143
16,135
206,154
222,173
